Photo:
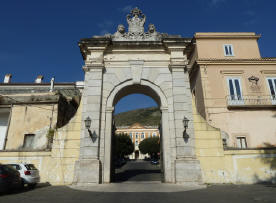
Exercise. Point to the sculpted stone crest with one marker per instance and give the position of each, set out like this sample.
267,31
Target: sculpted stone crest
136,20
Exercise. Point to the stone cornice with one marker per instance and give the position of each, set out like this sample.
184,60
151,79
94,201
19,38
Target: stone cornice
93,44
178,67
237,61
226,36
89,67
109,109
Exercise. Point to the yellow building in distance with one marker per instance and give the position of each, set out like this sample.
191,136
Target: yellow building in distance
138,133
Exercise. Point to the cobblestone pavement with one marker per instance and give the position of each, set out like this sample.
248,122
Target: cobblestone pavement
215,193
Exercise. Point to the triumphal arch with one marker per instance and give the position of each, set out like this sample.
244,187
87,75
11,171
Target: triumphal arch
137,61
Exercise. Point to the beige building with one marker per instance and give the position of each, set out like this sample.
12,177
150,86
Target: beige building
235,88
30,112
138,133
218,81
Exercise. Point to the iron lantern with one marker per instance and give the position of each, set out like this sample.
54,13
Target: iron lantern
185,122
87,122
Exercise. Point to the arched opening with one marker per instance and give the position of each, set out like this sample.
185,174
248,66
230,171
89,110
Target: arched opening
136,139
119,92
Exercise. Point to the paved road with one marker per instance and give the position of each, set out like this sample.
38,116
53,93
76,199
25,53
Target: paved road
138,170
211,194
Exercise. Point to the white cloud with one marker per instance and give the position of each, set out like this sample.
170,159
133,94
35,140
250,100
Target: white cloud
126,9
216,2
105,24
251,17
250,13
105,27
250,22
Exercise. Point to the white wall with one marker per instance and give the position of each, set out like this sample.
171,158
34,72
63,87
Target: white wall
4,117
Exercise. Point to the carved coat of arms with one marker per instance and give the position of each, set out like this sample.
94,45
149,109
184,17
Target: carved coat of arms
136,20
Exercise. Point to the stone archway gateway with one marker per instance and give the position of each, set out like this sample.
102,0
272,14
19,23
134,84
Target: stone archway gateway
151,63
155,93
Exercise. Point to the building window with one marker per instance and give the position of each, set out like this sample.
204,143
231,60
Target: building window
241,142
228,50
142,135
149,135
272,87
28,141
235,91
137,135
154,134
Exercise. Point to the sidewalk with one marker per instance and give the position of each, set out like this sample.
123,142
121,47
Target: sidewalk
154,186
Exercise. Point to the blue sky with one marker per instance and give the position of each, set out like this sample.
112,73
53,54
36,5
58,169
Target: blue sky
41,37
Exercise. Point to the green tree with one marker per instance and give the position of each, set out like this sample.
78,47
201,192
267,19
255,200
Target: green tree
150,146
123,145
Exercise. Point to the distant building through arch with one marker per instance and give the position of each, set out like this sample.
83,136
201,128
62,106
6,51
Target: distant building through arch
138,133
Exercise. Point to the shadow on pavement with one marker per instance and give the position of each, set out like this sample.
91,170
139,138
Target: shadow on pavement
24,189
267,184
137,175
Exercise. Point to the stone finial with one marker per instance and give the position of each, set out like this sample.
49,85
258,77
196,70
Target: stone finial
39,79
7,78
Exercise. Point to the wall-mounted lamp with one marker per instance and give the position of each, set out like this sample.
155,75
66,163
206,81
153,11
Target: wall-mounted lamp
253,80
185,124
87,122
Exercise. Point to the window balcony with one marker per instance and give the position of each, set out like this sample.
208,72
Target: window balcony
251,101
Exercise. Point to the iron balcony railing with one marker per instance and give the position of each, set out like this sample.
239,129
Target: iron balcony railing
251,100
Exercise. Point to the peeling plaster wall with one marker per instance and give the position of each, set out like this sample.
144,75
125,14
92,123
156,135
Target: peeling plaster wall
31,119
57,166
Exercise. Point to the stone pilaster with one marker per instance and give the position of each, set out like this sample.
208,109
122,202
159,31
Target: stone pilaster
168,171
107,145
88,168
187,167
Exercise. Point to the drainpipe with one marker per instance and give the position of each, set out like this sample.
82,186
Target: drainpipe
8,127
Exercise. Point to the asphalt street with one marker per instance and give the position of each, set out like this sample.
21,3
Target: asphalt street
138,170
139,182
216,193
